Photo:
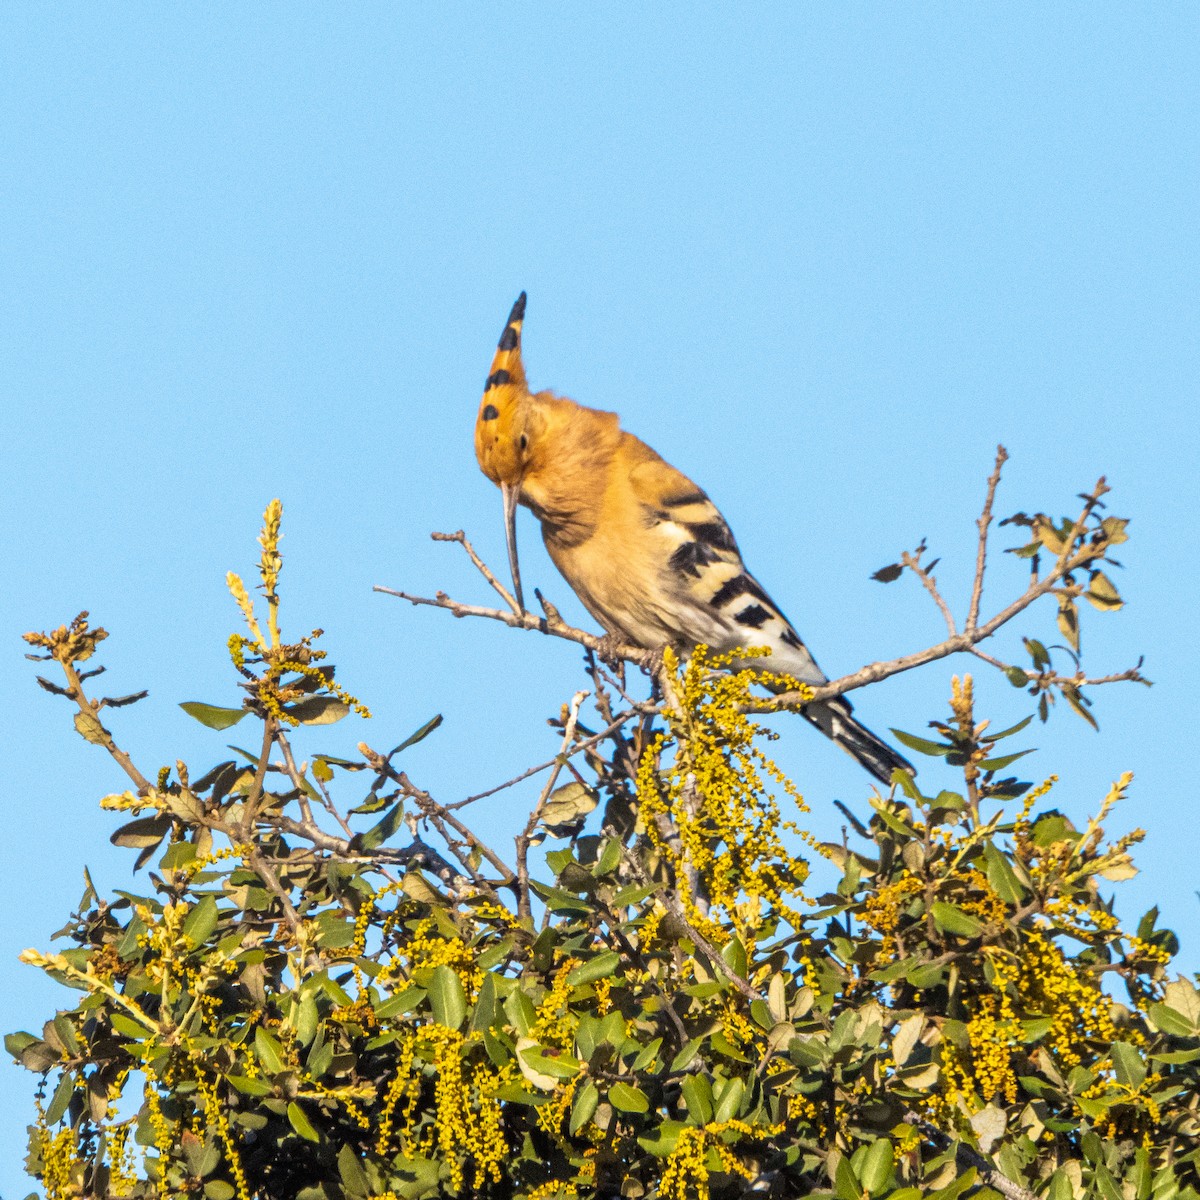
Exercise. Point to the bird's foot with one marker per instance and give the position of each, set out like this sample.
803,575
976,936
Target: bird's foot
652,662
610,651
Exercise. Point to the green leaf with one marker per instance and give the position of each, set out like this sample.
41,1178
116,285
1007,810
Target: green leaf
520,1010
567,807
387,826
218,1189
1037,652
334,932
249,1086
301,1124
610,856
402,1002
1053,827
845,1183
318,710
128,1026
698,1099
142,834
1016,677
1182,995
354,1178
1107,1185
420,735
1002,761
486,1005
212,716
557,1066
626,1098
177,855
1068,621
951,919
1060,1186
926,976
447,998
877,1167
646,1056
1170,1021
687,1054
201,921
662,1141
1004,733
601,966
727,1100
1114,530
965,1182
1079,703
922,745
1128,1063
1102,594
269,1051
1000,875
734,955
60,1099
583,1108
306,1019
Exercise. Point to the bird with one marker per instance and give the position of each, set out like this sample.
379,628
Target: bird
642,546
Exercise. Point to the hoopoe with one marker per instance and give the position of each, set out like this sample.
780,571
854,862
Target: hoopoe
641,545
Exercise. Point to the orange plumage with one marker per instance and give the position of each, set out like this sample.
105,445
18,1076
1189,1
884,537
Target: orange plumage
644,549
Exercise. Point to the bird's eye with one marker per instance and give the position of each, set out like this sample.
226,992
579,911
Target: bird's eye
524,441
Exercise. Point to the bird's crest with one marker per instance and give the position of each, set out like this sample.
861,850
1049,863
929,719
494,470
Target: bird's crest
507,370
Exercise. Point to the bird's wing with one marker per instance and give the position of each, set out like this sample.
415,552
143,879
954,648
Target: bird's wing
713,597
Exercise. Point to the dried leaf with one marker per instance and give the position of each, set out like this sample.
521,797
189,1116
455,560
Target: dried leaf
89,728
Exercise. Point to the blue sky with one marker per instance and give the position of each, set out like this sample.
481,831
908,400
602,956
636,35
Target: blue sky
821,258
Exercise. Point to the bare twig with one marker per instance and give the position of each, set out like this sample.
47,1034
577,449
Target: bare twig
985,519
585,744
461,538
102,735
266,872
913,563
1047,679
254,795
528,620
525,837
430,808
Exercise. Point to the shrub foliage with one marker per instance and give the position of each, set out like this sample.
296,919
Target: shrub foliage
308,999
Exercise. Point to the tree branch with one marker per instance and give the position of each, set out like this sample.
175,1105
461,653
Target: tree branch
985,519
1079,551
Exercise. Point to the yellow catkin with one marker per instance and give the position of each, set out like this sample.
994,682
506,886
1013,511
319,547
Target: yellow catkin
685,1176
467,1129
716,796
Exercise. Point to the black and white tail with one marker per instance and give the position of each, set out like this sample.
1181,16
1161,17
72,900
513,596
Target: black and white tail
833,718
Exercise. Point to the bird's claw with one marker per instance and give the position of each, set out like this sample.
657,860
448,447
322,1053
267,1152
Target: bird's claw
651,661
610,651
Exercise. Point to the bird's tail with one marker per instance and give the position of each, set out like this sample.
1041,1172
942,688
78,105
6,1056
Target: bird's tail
834,719
507,369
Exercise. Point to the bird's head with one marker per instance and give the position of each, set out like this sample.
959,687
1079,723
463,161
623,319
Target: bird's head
503,428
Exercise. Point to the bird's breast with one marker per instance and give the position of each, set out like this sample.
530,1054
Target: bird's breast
617,573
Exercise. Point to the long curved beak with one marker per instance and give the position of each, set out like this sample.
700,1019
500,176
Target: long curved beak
511,493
